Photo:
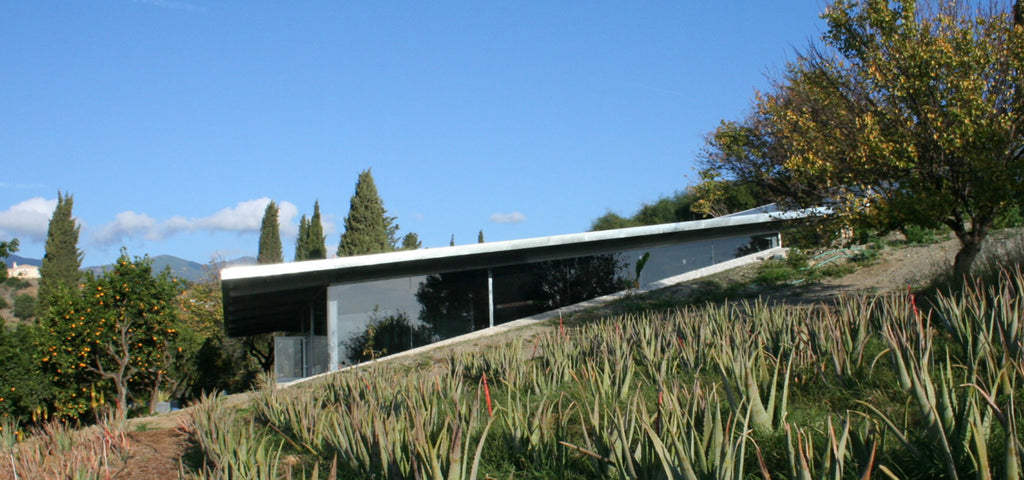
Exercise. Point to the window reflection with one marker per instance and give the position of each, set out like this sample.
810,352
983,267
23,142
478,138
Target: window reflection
383,317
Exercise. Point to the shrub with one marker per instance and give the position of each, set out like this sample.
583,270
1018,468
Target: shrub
24,306
917,235
17,283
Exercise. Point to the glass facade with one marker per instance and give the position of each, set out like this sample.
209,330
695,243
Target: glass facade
370,319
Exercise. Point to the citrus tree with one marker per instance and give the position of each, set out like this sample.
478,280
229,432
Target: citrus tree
114,332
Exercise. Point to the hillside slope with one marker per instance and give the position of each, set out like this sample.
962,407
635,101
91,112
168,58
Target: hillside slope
157,442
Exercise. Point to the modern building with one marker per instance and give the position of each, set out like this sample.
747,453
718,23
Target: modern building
329,313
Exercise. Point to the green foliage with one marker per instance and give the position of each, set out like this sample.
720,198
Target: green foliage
310,243
715,197
16,283
270,237
612,221
1010,217
677,208
202,358
24,388
317,248
24,306
907,115
368,228
411,241
918,235
301,242
6,249
115,331
62,262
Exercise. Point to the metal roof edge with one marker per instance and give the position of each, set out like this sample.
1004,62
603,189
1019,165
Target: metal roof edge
310,266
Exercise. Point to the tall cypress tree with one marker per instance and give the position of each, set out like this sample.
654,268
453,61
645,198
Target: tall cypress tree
368,229
310,244
302,241
480,237
411,241
316,248
62,262
270,237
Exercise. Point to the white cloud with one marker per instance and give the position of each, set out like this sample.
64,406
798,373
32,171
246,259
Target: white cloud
514,217
29,219
126,225
242,218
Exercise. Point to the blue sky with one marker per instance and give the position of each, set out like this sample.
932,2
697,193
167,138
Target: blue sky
174,122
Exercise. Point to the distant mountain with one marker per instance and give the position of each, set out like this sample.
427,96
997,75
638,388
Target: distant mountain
181,268
11,260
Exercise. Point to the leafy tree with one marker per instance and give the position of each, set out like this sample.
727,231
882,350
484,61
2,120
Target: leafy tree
452,242
115,331
411,241
203,359
611,221
24,306
368,228
25,386
716,197
480,237
62,261
680,207
6,249
270,237
909,114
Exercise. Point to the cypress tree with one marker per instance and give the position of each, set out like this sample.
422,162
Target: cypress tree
480,237
368,229
62,262
302,241
316,248
411,241
270,237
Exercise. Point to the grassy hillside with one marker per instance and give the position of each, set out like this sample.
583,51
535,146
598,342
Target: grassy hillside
687,383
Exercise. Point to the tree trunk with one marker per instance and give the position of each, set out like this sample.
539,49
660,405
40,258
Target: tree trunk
122,397
154,394
965,258
970,247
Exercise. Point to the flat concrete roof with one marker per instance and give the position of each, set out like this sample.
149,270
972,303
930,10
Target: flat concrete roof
266,298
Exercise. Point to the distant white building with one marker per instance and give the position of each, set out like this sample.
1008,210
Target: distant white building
23,271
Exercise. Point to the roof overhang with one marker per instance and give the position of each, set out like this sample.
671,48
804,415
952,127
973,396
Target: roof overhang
266,298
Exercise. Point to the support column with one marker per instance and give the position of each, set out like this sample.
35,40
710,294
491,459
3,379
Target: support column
333,359
490,297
